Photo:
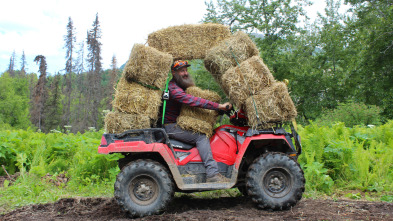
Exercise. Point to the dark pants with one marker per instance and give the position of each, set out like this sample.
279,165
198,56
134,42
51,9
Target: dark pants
202,144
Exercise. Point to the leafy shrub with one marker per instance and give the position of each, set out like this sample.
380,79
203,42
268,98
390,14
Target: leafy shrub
351,114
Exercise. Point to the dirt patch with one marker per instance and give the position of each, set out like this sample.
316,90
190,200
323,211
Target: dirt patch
227,208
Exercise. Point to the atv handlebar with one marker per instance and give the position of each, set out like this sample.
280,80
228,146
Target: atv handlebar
227,111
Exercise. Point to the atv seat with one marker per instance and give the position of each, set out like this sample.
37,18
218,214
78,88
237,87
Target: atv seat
180,145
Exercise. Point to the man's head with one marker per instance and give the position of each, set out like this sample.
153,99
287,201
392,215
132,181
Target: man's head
181,75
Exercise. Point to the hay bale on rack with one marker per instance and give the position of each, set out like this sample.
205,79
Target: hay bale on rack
251,77
221,57
147,65
133,98
188,41
197,119
116,122
273,105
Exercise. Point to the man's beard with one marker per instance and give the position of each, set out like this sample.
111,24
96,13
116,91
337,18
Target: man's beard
184,83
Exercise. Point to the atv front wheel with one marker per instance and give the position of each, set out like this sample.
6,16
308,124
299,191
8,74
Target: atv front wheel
143,187
275,181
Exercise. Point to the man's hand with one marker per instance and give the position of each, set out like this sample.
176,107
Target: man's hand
226,106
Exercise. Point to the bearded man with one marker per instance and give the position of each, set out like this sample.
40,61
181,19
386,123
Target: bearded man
177,96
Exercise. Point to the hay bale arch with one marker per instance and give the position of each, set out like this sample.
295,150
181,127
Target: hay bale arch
217,47
213,43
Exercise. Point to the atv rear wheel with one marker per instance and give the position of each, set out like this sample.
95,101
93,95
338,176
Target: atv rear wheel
275,181
143,187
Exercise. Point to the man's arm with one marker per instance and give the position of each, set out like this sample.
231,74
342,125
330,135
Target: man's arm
181,96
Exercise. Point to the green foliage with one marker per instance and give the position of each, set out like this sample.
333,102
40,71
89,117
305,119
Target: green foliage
203,79
352,158
14,101
35,154
351,114
370,31
317,178
387,198
40,153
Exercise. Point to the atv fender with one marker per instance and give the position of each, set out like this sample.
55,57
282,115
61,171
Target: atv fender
261,137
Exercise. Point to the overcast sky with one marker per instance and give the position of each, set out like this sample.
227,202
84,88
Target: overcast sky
38,26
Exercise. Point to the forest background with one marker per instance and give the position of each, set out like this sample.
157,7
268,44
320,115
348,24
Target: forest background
340,78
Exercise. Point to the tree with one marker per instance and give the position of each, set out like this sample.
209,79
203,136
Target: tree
70,40
39,93
112,82
14,101
94,75
276,21
23,64
80,66
371,34
53,111
11,66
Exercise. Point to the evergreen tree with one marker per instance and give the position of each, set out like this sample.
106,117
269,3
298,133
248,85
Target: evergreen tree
53,111
114,73
94,74
23,64
70,40
11,66
80,64
39,94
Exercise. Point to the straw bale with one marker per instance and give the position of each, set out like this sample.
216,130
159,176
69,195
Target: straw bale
147,65
133,98
116,122
220,58
195,125
188,41
197,119
251,77
273,104
205,94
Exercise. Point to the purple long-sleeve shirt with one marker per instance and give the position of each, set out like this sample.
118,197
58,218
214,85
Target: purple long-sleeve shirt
177,97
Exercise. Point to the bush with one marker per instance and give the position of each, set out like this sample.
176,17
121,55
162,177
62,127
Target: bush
351,114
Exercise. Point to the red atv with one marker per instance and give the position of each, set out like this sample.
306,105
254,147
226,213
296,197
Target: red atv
260,163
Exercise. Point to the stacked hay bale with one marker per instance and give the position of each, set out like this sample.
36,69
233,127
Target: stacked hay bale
148,66
133,98
138,95
247,79
188,41
198,119
221,57
118,122
273,104
250,81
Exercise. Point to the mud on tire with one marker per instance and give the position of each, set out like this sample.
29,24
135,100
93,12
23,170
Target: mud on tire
275,181
143,187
